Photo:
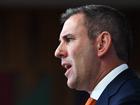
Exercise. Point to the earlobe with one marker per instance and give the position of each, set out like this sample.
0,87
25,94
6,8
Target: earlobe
103,43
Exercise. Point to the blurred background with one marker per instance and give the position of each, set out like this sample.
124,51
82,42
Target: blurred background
29,31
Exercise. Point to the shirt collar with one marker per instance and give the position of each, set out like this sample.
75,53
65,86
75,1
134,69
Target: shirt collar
100,87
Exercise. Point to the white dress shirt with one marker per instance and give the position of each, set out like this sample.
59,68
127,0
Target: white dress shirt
97,91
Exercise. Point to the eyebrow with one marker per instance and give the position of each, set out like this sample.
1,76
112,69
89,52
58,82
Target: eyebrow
64,36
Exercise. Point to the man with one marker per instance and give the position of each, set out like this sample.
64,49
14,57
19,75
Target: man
94,48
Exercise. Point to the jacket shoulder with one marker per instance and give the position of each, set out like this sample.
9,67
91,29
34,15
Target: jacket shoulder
123,90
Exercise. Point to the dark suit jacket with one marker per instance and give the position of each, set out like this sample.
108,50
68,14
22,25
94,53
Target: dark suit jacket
123,90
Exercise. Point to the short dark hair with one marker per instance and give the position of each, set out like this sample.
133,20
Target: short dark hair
99,18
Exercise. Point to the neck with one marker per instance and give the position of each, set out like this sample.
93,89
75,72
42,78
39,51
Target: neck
105,68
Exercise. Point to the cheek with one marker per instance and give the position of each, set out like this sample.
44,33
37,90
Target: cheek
79,54
73,51
75,55
76,48
78,57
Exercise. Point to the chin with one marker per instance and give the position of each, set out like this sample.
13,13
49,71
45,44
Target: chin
75,86
71,84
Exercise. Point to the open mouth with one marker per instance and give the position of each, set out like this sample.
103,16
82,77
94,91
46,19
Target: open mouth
68,67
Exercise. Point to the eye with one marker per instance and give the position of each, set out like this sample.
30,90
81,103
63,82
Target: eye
69,38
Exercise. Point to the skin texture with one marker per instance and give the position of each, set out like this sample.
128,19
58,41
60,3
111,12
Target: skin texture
86,60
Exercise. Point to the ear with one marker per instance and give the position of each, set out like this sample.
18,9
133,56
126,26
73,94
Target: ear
104,42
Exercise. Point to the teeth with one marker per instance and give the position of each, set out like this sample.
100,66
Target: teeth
67,66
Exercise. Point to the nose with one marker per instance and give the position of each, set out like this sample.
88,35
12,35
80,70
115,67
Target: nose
61,52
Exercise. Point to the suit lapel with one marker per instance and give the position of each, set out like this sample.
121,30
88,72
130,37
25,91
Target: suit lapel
114,86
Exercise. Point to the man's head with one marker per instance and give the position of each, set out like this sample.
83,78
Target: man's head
99,18
91,36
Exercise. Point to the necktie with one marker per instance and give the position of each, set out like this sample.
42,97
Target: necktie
90,101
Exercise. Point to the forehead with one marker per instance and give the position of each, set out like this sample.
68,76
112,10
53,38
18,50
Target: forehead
73,24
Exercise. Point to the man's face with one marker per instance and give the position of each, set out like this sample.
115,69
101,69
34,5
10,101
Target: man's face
77,53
